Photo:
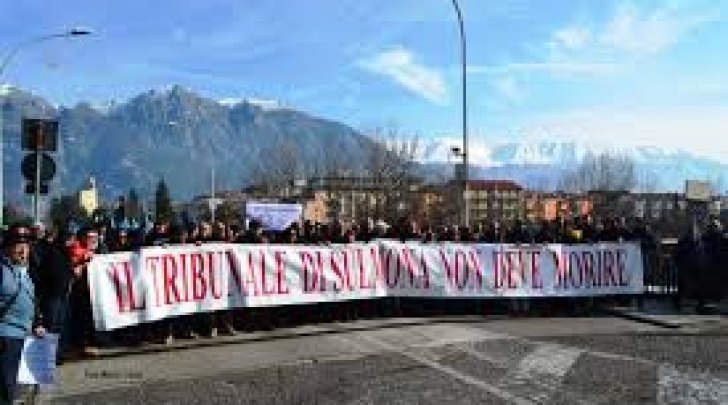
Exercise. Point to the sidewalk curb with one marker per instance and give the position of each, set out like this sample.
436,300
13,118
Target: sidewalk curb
642,317
278,334
717,309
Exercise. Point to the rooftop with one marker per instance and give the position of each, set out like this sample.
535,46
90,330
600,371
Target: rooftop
494,185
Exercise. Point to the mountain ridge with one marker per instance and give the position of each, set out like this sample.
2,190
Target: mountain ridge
179,135
540,163
175,134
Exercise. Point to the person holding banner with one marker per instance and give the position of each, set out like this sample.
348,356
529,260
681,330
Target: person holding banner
18,312
81,251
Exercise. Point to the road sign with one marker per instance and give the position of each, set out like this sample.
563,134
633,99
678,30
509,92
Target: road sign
30,188
697,190
39,135
47,167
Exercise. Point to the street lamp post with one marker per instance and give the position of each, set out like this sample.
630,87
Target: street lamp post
75,32
458,177
463,62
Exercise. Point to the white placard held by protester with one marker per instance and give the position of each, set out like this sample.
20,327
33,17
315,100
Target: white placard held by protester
274,216
38,361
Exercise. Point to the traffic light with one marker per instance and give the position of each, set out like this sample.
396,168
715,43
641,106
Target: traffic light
39,135
38,168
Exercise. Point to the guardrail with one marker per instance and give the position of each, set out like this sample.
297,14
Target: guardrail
661,271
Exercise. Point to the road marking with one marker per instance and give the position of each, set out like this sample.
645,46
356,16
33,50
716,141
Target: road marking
429,336
541,373
552,360
433,364
473,352
677,387
441,335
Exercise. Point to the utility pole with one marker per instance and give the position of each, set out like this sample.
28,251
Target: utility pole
213,201
464,77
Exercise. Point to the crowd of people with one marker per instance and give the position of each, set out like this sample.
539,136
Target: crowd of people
51,292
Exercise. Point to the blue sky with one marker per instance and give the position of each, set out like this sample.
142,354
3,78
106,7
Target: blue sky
609,72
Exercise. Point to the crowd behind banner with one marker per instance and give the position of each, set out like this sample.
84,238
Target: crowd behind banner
163,282
59,264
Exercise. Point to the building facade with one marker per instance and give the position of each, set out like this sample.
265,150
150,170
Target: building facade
494,200
88,196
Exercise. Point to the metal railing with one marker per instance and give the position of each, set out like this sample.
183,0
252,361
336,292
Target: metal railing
661,275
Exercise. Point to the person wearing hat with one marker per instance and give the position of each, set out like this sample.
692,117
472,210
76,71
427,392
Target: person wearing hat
18,312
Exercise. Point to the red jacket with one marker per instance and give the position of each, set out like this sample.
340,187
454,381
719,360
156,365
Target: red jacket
78,253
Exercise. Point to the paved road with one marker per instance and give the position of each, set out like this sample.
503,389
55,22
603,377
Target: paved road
519,361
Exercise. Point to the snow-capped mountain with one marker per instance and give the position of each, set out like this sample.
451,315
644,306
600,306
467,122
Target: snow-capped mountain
175,133
539,163
6,89
264,104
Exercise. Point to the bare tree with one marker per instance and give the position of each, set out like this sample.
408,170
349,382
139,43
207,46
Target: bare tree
648,182
392,166
718,184
603,172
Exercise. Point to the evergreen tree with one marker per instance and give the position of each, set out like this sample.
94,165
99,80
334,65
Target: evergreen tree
227,212
133,206
65,210
163,203
13,214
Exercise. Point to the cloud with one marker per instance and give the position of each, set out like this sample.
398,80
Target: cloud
628,35
509,89
630,32
568,68
700,130
644,33
573,37
400,65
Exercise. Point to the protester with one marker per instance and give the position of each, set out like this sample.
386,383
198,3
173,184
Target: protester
81,251
121,241
714,242
53,277
19,315
182,327
566,230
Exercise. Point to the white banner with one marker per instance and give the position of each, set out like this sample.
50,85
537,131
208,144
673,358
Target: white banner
504,270
274,216
156,283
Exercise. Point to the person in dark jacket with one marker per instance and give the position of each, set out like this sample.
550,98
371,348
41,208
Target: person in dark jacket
53,277
121,241
611,232
159,235
81,251
693,264
254,235
19,315
714,242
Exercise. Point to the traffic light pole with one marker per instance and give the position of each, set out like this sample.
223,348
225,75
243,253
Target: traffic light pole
36,192
36,198
4,63
2,162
